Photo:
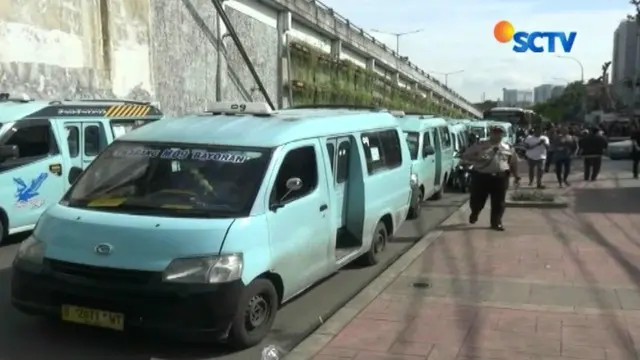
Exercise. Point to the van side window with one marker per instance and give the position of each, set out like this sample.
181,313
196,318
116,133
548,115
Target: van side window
73,140
382,150
331,150
93,142
426,140
33,140
446,137
344,150
298,163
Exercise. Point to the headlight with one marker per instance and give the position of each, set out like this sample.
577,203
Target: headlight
413,180
205,270
31,250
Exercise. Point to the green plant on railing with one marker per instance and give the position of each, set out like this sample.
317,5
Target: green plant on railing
320,79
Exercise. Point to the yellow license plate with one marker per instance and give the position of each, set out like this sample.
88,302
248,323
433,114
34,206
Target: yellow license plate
93,317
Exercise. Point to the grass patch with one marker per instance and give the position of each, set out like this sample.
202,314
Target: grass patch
533,196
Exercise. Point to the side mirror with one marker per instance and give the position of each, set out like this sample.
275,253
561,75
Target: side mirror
9,152
293,184
428,151
74,174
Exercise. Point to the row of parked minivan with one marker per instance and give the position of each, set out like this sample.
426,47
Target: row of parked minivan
203,226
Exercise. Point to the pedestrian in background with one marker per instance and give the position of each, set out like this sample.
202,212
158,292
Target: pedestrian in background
592,148
493,163
549,133
536,146
635,149
565,145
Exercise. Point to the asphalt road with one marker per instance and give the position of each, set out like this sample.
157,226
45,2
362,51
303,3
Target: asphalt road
28,338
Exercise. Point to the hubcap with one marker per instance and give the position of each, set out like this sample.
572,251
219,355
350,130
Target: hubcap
258,312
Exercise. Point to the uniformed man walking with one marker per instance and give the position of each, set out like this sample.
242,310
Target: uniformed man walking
493,162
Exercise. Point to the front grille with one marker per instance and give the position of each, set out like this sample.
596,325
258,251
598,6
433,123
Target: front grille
103,274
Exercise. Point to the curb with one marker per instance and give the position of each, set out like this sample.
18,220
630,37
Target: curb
319,338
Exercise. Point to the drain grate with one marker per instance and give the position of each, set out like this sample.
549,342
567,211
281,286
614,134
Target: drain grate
421,285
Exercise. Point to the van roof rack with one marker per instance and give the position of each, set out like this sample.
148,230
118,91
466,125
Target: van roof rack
237,108
397,113
338,106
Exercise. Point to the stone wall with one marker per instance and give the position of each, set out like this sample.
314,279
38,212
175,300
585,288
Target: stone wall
162,50
74,48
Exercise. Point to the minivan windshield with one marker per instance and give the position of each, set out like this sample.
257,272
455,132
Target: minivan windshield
413,141
172,180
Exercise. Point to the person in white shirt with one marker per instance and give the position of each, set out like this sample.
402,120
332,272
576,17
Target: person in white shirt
537,146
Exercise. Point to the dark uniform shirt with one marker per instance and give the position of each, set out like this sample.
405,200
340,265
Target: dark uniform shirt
593,145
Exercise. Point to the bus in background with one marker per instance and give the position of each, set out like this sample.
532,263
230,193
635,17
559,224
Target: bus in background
516,116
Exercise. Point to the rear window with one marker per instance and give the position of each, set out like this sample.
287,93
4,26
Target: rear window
121,127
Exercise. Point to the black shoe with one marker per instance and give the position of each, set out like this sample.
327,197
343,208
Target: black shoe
540,186
473,218
566,183
497,227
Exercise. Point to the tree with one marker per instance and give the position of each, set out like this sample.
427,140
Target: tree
566,107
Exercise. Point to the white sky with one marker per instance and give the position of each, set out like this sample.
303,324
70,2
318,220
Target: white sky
458,35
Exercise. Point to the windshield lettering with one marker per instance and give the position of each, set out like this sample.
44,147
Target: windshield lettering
152,178
182,154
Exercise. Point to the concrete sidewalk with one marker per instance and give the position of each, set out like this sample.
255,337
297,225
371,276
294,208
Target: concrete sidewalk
558,284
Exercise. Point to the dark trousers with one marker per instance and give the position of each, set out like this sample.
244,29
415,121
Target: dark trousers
592,167
635,157
563,168
547,163
485,185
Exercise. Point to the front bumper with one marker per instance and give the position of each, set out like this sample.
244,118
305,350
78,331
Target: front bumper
182,310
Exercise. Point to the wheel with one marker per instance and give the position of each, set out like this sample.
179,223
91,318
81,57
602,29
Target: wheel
416,206
378,244
438,194
3,232
256,312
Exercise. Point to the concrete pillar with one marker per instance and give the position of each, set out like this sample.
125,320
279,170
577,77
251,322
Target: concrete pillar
371,64
396,78
283,26
336,49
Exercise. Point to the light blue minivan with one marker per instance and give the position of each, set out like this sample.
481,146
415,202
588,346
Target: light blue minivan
432,151
206,224
480,129
509,131
44,144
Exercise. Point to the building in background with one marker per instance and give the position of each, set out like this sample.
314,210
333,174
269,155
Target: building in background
625,61
517,98
557,91
542,93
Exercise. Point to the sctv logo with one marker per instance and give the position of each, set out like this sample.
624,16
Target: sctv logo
537,41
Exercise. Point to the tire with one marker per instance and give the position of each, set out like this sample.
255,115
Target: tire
378,245
438,194
260,295
3,232
416,206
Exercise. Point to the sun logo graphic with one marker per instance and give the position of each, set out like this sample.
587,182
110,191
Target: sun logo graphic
536,41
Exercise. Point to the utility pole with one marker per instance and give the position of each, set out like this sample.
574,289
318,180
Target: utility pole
446,75
398,35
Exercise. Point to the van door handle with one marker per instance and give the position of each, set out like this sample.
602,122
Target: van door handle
323,207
